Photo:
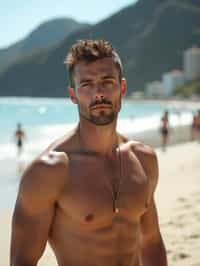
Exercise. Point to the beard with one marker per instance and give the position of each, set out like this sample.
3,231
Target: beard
103,118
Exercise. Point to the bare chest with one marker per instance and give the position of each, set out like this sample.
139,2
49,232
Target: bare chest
96,189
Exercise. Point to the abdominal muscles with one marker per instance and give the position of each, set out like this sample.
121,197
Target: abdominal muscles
111,243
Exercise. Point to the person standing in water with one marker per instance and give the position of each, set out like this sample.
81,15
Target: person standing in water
164,130
19,136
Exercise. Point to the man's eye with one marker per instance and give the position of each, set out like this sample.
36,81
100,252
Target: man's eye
85,85
108,81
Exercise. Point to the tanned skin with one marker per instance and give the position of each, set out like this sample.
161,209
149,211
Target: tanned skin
65,195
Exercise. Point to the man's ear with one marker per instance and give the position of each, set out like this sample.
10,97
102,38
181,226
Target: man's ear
123,86
72,94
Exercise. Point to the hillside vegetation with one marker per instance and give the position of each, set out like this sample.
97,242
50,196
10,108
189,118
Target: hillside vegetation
190,89
150,35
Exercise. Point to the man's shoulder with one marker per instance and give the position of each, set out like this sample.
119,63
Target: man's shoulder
50,168
42,182
146,156
51,159
143,149
140,149
56,154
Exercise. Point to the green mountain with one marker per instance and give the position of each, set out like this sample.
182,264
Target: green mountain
189,89
149,35
47,35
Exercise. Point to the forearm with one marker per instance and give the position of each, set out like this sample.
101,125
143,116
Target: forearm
21,262
153,254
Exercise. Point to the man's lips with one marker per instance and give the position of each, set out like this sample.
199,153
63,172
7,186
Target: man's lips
101,106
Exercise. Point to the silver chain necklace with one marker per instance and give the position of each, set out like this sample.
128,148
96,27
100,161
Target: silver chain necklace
114,193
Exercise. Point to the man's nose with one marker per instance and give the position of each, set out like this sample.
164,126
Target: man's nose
99,97
99,92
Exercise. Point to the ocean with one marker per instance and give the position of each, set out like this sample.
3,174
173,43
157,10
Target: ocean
44,120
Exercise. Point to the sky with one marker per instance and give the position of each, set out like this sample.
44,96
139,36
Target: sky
19,17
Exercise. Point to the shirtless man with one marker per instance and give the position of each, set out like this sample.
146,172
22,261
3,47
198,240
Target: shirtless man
91,193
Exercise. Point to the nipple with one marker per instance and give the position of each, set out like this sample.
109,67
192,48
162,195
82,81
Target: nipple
89,217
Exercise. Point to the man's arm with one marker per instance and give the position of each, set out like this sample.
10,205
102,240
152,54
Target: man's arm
34,210
152,249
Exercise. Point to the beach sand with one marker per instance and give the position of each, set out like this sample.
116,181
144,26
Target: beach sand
177,198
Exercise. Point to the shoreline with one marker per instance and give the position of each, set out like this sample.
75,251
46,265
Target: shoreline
180,102
177,135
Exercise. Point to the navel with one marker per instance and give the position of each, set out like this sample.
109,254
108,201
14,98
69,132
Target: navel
89,217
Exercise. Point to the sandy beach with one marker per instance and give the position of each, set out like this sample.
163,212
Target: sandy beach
177,199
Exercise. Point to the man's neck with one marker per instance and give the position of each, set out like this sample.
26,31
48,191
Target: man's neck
99,139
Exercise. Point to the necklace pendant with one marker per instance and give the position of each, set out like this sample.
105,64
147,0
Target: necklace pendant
116,210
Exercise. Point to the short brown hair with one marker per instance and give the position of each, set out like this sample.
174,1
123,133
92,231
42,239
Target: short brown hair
91,50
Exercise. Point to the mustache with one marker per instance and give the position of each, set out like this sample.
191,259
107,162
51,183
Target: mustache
98,102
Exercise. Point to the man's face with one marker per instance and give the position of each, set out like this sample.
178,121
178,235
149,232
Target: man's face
98,90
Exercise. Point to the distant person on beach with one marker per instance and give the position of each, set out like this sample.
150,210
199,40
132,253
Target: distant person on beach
193,127
198,125
195,130
19,136
91,193
164,130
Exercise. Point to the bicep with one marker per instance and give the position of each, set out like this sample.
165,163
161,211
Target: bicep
149,225
30,232
32,217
